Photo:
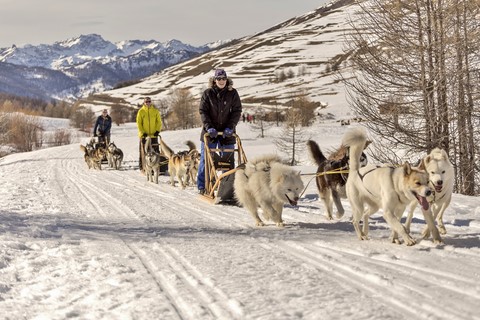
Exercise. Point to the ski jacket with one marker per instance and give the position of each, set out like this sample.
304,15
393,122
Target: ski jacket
148,120
103,124
220,109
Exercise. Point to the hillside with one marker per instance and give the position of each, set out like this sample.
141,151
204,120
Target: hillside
310,46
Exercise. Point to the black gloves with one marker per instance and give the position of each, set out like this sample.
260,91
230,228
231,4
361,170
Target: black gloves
144,135
156,134
94,134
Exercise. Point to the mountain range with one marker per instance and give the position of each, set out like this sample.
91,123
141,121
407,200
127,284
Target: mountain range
82,65
298,57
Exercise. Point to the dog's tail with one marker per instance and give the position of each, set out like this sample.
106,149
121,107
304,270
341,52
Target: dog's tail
191,145
355,139
148,144
166,149
315,152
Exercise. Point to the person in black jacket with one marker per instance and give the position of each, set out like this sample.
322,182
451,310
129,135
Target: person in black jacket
220,111
103,125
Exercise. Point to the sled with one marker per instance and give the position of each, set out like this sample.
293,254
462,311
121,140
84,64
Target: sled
220,171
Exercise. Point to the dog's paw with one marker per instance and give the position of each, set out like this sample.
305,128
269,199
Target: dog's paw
426,233
441,229
280,224
409,241
260,224
340,215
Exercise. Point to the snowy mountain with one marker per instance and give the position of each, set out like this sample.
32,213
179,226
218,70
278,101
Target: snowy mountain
89,62
307,47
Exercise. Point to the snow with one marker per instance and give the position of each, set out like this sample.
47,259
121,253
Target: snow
85,244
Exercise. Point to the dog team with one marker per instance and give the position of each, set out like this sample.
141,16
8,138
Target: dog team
265,184
393,189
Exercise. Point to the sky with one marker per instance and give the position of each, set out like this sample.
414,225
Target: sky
88,244
190,21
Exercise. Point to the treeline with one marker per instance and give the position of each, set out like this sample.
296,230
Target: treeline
21,129
32,106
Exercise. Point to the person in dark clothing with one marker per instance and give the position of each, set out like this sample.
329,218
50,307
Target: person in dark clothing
102,127
220,111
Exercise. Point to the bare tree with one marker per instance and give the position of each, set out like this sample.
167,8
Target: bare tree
184,109
82,118
293,138
120,114
61,137
25,132
415,72
260,125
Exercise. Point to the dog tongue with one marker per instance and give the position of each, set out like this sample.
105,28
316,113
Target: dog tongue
423,202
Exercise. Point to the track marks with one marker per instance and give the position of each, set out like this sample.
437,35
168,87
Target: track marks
192,295
377,276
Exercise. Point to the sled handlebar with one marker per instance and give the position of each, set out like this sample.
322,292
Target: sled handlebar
219,133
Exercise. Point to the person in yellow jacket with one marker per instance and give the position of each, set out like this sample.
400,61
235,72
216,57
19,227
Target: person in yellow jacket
149,123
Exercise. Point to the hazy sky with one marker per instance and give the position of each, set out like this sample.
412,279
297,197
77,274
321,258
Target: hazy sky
194,22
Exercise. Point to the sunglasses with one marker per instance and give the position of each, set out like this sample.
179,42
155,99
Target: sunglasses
148,101
220,78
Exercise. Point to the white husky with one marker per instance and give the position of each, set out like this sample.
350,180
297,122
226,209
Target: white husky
441,176
267,183
389,188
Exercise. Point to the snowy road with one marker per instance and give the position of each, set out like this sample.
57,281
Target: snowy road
79,243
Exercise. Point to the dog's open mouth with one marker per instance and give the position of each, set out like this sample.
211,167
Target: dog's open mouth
422,201
292,202
438,188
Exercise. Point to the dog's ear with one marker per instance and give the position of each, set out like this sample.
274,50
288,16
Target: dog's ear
427,160
422,166
407,169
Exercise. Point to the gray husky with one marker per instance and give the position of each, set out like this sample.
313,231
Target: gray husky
114,156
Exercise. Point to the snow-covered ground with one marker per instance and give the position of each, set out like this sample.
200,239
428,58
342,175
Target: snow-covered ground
85,244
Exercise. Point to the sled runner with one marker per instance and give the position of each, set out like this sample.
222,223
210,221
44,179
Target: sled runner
220,171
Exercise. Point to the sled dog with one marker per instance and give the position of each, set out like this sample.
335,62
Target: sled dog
178,163
388,188
152,162
192,168
86,155
331,185
114,156
93,157
441,176
267,183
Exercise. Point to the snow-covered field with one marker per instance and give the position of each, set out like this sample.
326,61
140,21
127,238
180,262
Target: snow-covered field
85,244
